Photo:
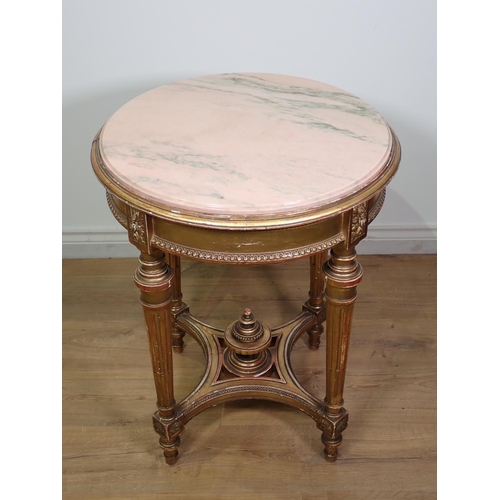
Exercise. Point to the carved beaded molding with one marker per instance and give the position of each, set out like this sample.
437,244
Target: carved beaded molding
117,213
377,207
249,257
252,388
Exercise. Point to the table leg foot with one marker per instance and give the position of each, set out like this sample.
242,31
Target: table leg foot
178,341
314,339
170,450
169,430
331,447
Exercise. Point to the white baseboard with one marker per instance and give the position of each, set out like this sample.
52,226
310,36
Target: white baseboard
97,244
393,240
113,243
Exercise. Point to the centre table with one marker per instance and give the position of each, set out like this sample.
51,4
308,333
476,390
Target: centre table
247,169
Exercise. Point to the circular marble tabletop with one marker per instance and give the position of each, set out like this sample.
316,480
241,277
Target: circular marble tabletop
245,145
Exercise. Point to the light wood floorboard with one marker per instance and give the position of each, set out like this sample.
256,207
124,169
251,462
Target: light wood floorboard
250,449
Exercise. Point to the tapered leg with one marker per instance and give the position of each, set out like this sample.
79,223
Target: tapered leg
176,305
342,273
316,300
153,278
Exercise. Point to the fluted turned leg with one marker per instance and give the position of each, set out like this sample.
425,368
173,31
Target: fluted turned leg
342,273
153,278
176,305
316,300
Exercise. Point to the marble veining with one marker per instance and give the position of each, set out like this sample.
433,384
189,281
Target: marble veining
245,144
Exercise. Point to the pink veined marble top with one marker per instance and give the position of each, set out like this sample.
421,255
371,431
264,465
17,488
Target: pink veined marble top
245,144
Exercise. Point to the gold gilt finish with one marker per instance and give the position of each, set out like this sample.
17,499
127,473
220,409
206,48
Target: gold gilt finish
247,341
248,360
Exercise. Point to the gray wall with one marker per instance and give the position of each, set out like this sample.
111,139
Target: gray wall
384,51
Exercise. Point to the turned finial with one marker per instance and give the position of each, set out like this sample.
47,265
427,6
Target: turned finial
247,341
247,335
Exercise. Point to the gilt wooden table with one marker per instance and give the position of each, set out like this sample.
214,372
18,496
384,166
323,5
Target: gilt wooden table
247,169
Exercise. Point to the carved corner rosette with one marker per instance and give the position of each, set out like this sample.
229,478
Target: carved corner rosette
333,428
326,426
138,232
340,425
359,223
168,429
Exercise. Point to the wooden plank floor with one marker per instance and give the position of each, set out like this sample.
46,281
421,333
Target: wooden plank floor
251,449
